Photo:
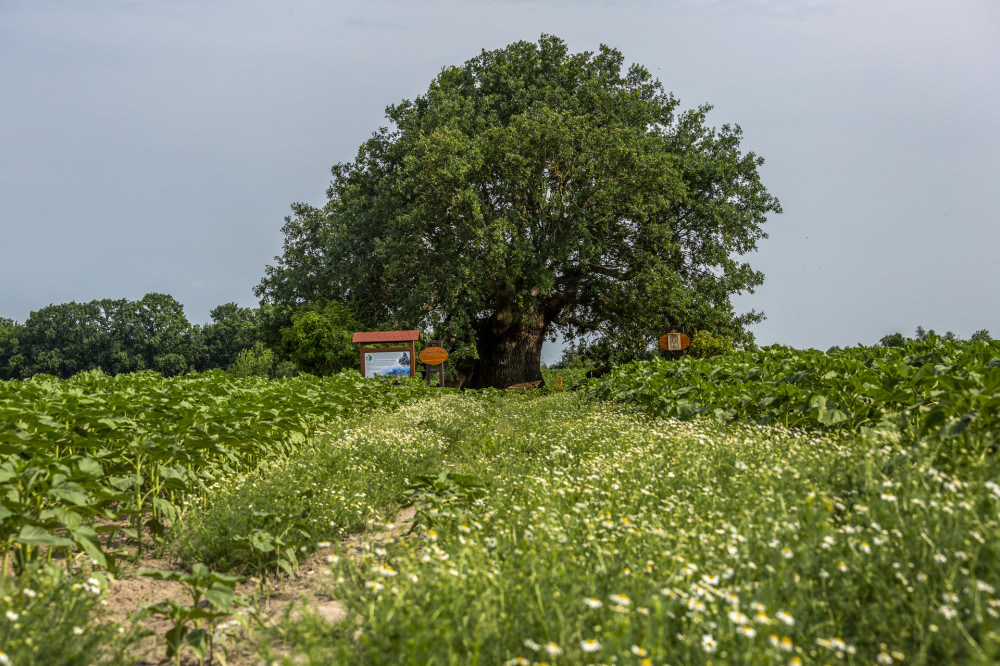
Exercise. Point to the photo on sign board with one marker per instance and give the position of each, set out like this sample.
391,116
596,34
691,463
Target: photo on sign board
387,364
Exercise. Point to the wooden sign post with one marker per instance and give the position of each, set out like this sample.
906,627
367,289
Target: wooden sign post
387,361
674,342
433,357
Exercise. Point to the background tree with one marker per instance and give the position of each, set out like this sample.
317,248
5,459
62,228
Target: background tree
305,273
318,340
113,335
232,330
10,343
256,361
62,339
892,340
531,192
155,331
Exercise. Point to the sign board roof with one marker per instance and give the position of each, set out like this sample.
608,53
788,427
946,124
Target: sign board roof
386,336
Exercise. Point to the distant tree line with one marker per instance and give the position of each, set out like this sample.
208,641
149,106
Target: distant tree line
152,333
897,339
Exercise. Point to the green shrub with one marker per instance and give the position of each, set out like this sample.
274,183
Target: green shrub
705,345
319,340
255,362
286,369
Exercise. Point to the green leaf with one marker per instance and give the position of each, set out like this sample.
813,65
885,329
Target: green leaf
36,536
197,640
86,538
220,596
262,541
69,493
830,417
90,467
175,639
286,566
959,426
168,510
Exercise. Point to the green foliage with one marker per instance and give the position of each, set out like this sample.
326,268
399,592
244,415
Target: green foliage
897,339
549,527
89,462
532,191
601,536
572,357
354,474
567,378
124,456
604,352
194,623
10,359
441,494
119,336
571,369
114,336
47,619
255,362
305,274
51,503
232,330
318,340
705,345
893,340
286,369
930,388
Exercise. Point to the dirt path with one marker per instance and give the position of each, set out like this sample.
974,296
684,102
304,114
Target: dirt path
307,591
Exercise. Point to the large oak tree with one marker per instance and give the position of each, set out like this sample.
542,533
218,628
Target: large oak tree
532,191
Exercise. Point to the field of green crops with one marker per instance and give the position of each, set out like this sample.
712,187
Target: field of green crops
766,507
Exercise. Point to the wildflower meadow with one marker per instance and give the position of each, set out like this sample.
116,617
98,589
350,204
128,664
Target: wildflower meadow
758,524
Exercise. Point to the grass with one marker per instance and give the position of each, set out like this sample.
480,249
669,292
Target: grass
351,477
48,619
607,537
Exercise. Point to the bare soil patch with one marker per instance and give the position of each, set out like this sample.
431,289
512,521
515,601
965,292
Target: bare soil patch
308,591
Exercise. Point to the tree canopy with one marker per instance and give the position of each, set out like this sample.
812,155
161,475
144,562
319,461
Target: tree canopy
113,335
529,192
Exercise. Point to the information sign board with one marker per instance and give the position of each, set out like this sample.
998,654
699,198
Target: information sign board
387,361
390,363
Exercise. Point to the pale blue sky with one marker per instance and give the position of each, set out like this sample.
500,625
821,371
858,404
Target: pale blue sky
156,145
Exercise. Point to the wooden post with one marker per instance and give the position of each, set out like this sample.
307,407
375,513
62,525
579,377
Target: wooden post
439,368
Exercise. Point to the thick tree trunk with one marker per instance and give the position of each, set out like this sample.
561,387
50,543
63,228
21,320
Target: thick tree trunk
509,355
